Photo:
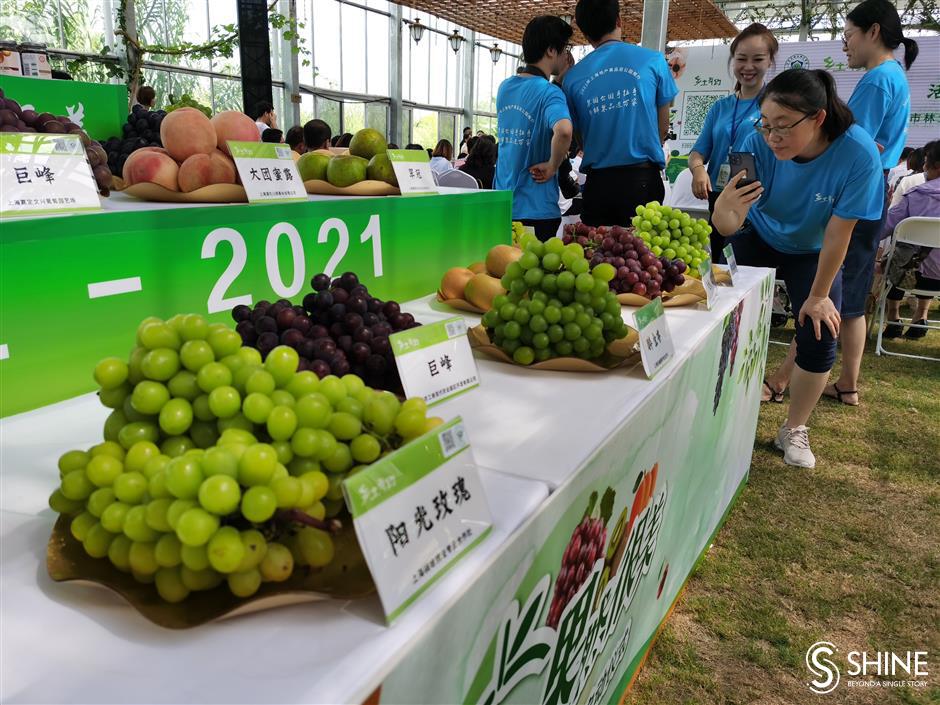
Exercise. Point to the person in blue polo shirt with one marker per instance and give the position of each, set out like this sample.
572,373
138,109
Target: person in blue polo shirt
817,175
534,128
881,104
619,96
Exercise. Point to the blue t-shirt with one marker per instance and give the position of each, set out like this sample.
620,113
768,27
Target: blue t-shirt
527,110
800,197
881,103
727,117
614,94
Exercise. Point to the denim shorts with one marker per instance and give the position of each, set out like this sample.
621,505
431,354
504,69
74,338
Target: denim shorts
858,269
798,272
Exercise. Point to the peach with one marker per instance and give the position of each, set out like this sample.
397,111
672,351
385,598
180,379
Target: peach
233,125
204,170
150,166
186,132
158,150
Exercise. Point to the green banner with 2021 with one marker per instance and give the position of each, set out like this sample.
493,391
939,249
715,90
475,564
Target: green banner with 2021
73,289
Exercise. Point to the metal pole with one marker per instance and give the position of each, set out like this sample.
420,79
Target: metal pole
804,21
469,72
655,21
292,77
395,76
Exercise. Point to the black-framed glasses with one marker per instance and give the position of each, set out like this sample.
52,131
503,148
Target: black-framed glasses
781,131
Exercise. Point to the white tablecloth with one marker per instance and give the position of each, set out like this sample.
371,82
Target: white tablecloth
71,643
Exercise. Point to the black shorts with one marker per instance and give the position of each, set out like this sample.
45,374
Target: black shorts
611,195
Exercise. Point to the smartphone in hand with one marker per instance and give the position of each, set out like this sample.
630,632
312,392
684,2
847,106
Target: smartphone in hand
743,161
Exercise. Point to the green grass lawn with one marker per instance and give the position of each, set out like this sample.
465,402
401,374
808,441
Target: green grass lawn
848,553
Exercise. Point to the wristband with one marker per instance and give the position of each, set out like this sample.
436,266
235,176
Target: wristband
697,166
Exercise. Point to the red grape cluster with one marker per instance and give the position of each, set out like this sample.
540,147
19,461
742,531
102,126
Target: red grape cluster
638,270
585,547
340,329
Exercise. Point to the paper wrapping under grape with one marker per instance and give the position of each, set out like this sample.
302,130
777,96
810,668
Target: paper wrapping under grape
369,187
459,304
216,193
689,293
346,577
620,353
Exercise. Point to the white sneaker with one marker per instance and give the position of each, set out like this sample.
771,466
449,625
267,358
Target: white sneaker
794,442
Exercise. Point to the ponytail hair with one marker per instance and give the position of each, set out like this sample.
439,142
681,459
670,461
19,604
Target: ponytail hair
885,15
808,92
755,29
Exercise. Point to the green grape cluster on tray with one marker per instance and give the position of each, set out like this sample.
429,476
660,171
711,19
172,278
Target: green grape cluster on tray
555,305
672,234
218,467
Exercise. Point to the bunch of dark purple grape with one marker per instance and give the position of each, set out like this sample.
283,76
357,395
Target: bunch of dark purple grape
142,129
339,329
14,119
585,547
638,270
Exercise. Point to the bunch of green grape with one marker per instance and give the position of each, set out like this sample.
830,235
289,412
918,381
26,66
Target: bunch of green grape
672,234
217,467
187,101
555,305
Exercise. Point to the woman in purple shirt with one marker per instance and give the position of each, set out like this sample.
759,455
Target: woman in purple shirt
923,200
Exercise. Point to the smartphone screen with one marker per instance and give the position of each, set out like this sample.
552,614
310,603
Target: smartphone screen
743,161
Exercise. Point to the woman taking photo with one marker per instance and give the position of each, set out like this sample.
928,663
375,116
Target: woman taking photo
729,120
817,175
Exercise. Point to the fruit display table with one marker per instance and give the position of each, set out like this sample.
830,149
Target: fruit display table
96,275
605,489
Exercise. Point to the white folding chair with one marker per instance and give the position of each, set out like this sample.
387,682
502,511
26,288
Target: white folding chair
914,231
680,196
457,179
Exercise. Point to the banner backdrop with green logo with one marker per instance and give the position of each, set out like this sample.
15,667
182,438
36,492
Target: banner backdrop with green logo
99,108
566,611
73,289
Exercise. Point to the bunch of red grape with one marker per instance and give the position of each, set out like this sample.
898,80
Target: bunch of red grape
585,547
638,270
340,329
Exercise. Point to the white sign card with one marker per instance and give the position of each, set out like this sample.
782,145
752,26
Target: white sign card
417,512
45,174
435,361
268,172
656,347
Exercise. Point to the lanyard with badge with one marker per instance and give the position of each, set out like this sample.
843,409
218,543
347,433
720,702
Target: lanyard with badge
724,171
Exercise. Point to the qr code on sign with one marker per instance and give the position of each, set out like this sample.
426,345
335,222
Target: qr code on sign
456,328
453,440
695,107
282,152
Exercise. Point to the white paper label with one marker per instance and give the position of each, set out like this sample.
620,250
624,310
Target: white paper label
732,262
656,348
413,171
267,171
44,174
435,360
417,512
708,281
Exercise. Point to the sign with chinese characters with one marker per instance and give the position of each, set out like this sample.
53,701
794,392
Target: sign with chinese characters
417,512
267,171
44,174
708,281
435,360
413,171
732,262
656,348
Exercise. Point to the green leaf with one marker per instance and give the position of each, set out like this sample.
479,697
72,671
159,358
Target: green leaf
591,503
607,504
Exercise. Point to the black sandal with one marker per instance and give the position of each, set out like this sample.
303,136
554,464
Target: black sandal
840,393
775,396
